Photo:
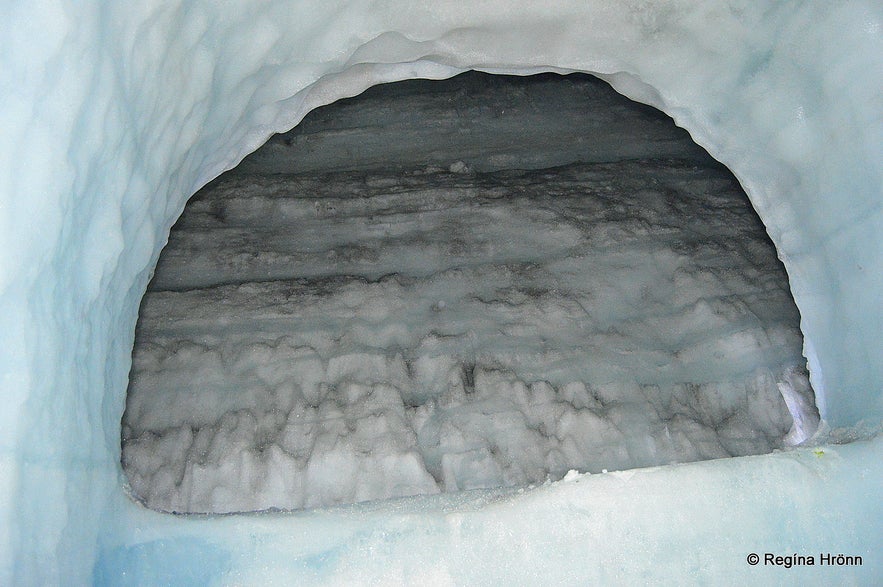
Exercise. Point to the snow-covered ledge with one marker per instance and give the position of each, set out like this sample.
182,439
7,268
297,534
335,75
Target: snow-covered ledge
113,114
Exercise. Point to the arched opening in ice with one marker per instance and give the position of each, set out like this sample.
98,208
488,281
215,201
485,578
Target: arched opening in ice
114,114
437,286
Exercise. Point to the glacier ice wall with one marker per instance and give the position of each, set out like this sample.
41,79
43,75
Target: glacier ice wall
114,114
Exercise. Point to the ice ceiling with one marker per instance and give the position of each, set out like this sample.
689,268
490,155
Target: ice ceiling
113,115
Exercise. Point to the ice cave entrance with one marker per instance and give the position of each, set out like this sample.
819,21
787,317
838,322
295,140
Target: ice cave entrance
440,286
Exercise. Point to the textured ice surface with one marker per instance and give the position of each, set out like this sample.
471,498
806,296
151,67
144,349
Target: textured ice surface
314,339
531,122
592,529
114,114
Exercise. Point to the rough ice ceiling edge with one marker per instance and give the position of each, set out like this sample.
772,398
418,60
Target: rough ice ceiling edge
114,114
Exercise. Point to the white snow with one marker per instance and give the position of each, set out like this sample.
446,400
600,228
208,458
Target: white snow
113,114
316,338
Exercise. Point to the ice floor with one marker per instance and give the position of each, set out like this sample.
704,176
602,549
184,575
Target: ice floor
506,302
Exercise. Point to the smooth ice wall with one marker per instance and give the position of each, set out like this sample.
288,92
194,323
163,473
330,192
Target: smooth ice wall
114,113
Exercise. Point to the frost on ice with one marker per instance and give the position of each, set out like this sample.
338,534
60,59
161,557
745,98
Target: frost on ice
314,337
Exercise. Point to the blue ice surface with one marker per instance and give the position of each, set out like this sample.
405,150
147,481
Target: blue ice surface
696,522
178,561
115,113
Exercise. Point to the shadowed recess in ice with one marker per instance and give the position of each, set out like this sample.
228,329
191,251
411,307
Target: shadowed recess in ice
115,113
515,278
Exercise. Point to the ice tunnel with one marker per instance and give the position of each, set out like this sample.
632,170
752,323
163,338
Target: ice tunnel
114,116
445,285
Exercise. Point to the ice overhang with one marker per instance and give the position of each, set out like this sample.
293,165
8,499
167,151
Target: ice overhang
114,116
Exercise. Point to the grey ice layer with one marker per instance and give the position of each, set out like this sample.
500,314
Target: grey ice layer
488,122
337,338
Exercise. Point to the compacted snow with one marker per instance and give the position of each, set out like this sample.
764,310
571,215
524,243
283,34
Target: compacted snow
115,113
453,312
